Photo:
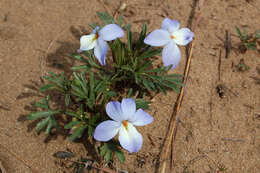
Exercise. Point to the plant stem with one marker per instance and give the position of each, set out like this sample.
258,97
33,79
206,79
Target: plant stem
175,115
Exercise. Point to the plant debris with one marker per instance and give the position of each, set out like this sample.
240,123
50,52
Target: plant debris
241,66
63,154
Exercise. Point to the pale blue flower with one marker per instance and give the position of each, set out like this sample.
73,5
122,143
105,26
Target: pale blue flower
169,36
97,40
124,117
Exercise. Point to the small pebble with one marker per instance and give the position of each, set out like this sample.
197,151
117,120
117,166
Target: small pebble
244,84
212,52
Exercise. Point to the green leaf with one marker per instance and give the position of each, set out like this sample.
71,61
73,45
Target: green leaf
60,84
71,124
158,78
144,29
62,76
174,87
73,114
90,131
130,92
107,19
140,43
239,32
55,124
81,109
77,132
93,26
136,78
93,119
120,21
148,54
76,90
147,86
42,124
79,57
120,156
257,34
129,37
46,87
80,96
103,149
108,148
143,32
67,99
92,89
81,80
54,75
111,93
100,86
93,60
141,103
48,129
56,81
79,86
162,89
177,82
40,105
153,70
151,84
245,33
108,156
36,115
175,75
126,67
80,67
143,67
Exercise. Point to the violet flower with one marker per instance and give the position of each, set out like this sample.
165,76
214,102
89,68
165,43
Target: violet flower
124,117
97,40
169,36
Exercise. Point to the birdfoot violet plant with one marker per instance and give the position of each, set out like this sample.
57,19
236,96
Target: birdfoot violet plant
132,62
95,87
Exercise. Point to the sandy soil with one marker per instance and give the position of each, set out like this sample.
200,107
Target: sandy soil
214,133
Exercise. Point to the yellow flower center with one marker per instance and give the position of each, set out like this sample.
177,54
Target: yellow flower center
172,37
96,36
125,124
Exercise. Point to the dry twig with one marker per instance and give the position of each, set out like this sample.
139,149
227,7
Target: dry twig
174,123
219,65
2,169
227,44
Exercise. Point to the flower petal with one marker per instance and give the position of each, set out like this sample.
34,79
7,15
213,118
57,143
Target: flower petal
87,42
141,118
100,51
183,36
114,111
106,130
128,107
130,139
170,25
111,32
158,37
171,55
